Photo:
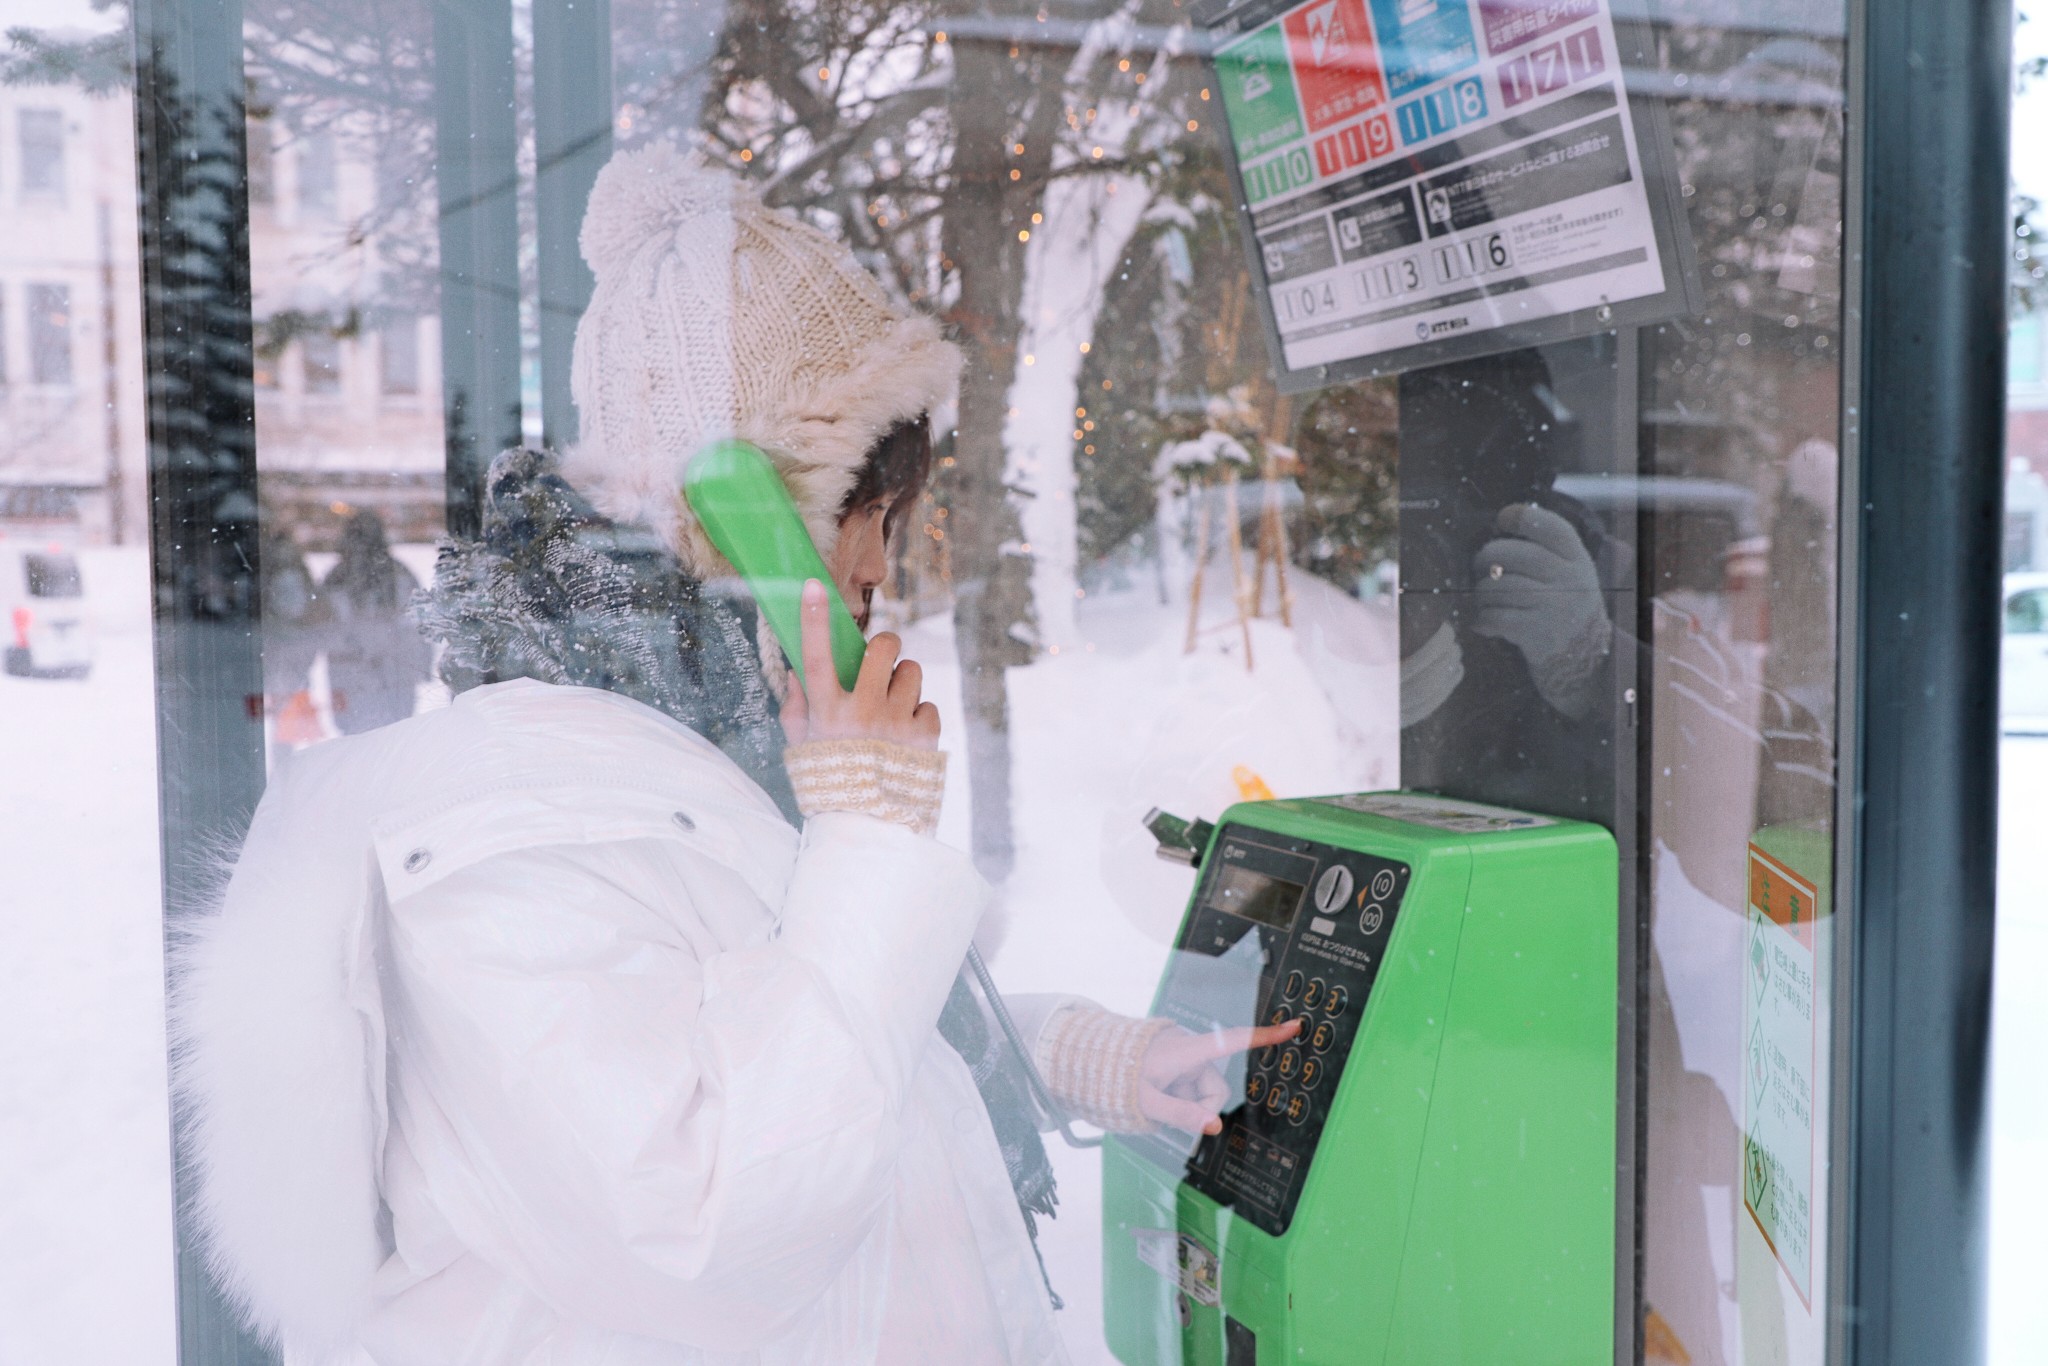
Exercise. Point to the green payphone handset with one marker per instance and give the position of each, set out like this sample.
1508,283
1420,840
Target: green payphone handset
1426,1176
747,512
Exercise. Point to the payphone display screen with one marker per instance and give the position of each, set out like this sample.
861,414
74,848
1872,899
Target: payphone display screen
1323,917
1257,896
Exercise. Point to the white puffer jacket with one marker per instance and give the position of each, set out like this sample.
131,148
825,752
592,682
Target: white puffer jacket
529,1032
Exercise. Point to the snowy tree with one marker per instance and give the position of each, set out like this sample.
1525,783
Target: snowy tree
940,139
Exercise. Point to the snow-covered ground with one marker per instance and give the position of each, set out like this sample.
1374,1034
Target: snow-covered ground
2019,1043
1119,721
85,1206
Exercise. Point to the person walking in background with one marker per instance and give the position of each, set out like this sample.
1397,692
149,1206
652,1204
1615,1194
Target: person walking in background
376,658
292,621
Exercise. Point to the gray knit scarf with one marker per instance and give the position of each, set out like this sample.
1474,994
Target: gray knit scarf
553,591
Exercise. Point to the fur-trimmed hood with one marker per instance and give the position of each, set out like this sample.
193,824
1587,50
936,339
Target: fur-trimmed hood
714,315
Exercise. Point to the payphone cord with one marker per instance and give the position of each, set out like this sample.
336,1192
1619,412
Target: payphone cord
1039,1090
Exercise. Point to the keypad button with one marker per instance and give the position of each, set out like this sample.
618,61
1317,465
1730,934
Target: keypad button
1276,1099
1313,996
1255,1087
1323,1036
1290,1064
1292,988
1311,1073
1334,1003
1279,1015
1297,1108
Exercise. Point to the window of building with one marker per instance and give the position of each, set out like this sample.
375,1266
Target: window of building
52,575
320,356
49,334
401,355
2023,351
262,163
42,153
2026,614
316,175
2019,541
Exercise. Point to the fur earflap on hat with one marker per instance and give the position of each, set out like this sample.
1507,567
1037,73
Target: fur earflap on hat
715,315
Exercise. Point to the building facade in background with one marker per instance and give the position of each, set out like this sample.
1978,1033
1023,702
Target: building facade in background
348,396
2026,445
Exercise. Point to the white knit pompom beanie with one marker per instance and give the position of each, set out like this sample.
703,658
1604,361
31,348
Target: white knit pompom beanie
715,316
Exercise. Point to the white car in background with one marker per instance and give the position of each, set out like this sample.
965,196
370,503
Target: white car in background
43,619
2023,667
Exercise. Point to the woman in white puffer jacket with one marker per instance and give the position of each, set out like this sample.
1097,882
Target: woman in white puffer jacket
582,1022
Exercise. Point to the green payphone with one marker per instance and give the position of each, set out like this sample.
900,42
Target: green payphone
1426,1175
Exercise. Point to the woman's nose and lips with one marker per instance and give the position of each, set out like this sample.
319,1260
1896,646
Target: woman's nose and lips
860,558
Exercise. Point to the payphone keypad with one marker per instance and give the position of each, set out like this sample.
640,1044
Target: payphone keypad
1323,917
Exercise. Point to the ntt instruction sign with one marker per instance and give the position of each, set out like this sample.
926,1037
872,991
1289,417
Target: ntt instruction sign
1427,179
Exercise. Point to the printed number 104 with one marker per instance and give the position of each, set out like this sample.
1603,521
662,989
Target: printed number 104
1305,302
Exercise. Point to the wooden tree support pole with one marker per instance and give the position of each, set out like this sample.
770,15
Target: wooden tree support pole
1243,592
1201,560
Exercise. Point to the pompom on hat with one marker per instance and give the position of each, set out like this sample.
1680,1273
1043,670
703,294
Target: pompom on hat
714,315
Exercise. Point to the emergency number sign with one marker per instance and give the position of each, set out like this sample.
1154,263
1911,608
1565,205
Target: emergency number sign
1421,170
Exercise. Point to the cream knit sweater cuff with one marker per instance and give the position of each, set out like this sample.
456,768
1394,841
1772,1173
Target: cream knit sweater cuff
873,777
1092,1061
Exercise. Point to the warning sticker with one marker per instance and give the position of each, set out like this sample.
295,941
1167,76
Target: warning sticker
1781,1057
1183,1262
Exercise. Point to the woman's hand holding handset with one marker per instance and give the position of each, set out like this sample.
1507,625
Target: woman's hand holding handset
885,703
